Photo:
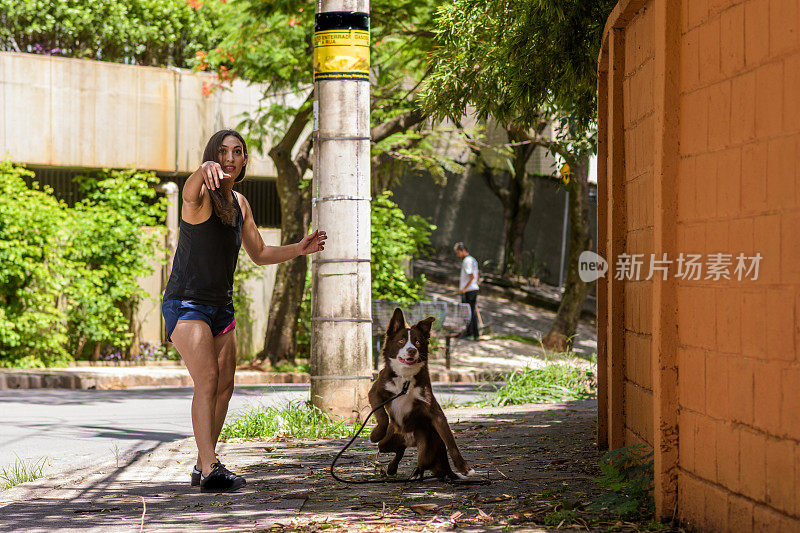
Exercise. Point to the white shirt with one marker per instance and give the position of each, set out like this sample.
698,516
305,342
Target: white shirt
469,266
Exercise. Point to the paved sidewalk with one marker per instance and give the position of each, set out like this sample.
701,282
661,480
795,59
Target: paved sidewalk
537,456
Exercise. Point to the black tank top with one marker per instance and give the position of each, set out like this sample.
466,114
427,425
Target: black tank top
205,261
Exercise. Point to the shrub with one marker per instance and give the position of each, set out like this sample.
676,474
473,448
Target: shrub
68,277
627,474
395,240
33,272
109,253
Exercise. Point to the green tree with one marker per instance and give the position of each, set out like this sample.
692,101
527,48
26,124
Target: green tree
109,253
271,43
521,64
68,276
142,32
32,272
396,239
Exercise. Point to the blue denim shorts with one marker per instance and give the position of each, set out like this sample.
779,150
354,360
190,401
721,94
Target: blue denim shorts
218,317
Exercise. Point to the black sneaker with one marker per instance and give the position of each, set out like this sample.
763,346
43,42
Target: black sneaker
221,480
196,473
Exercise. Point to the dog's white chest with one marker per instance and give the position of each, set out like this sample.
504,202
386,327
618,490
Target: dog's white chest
400,407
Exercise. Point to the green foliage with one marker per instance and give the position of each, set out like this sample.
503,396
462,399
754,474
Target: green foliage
552,383
298,420
109,251
414,151
144,32
271,43
69,275
510,58
395,239
559,518
627,473
33,272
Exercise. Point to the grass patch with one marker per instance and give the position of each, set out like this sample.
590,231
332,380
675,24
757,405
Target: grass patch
298,420
21,472
519,338
560,518
286,366
549,384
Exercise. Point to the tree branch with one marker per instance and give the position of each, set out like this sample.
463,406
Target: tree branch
283,149
486,173
303,159
396,125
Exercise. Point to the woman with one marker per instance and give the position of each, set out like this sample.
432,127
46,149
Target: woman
198,306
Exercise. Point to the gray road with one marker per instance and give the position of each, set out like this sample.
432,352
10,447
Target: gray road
72,428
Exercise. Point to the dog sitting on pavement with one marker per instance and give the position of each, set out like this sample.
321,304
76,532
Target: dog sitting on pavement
415,418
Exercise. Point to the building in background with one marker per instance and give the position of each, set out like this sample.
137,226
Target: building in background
61,117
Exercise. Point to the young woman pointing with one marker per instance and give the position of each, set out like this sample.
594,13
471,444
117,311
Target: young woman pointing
198,300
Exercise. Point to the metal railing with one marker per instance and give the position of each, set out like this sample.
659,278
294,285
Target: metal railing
451,320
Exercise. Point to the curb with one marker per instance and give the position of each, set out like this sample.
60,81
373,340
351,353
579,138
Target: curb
119,380
87,379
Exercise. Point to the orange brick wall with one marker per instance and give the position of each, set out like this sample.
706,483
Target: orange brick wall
637,87
699,152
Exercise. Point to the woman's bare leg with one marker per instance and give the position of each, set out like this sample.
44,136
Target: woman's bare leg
225,348
193,340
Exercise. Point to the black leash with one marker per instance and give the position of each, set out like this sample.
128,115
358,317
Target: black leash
407,480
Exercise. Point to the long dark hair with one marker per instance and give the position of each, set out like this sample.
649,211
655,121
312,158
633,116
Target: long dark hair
225,210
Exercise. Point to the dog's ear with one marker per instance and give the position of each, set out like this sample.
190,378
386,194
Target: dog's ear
425,325
397,322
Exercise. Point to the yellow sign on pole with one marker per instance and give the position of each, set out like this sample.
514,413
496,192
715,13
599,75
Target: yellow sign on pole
341,55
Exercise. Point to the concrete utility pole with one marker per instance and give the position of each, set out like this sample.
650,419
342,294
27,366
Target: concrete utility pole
341,327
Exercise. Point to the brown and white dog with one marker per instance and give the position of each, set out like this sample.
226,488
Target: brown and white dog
414,419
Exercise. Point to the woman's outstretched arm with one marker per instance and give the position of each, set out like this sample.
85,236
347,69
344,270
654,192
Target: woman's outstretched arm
261,254
209,174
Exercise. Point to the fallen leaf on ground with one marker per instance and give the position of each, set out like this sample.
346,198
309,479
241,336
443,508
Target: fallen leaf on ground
421,508
483,516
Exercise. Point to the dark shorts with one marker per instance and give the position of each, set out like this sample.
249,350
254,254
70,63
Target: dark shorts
218,317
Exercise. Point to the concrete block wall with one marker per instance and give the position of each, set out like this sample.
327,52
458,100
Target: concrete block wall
637,90
699,114
737,188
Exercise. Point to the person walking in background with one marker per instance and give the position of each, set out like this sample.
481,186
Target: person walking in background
468,287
